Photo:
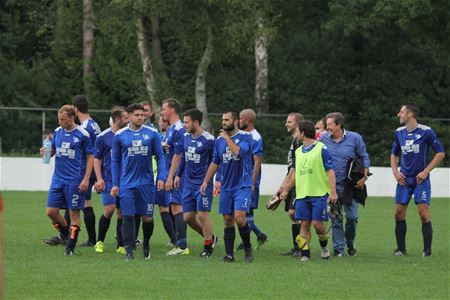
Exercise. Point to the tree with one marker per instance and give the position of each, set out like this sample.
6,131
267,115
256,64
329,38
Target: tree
88,43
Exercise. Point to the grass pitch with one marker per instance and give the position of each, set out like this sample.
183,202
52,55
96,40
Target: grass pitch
33,270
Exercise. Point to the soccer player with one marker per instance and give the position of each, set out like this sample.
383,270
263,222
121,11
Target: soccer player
320,128
315,185
102,168
247,123
132,176
412,144
149,113
173,146
233,152
344,146
291,124
198,151
73,149
81,107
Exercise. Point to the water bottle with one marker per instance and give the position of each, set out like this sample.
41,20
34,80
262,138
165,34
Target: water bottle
47,151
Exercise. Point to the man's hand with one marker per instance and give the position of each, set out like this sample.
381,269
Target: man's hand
99,185
41,151
169,184
160,185
176,183
203,188
115,191
217,185
283,194
422,176
360,183
83,185
332,198
401,179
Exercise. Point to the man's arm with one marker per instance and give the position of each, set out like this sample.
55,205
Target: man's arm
100,184
173,168
399,176
332,198
256,169
209,175
87,175
438,157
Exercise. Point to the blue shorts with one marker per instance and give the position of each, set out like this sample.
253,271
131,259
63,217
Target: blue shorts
421,192
193,200
137,200
174,196
107,199
235,200
255,198
161,197
88,193
311,209
65,196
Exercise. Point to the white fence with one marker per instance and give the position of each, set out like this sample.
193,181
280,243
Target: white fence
29,174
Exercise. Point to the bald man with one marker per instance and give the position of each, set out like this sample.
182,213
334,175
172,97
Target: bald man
247,119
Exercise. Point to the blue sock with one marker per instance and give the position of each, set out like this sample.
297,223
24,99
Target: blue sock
252,225
128,227
181,231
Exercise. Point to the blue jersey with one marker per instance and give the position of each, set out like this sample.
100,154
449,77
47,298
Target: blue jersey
197,156
102,151
132,163
258,151
175,139
237,170
413,148
71,150
93,129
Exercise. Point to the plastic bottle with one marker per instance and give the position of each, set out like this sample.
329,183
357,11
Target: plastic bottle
47,151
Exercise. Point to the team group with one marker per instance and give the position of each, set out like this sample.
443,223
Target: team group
327,171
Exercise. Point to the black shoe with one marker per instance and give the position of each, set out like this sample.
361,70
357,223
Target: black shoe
337,253
68,252
206,254
261,239
351,250
137,243
215,239
248,255
129,257
88,243
240,247
228,258
297,253
55,241
398,252
426,253
146,251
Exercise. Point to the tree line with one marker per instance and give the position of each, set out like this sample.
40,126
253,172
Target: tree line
363,58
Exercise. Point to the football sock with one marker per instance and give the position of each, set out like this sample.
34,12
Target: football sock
181,227
73,237
208,244
400,234
137,224
251,223
67,217
128,235
119,233
63,230
295,228
147,229
229,234
89,222
169,226
302,242
244,232
323,240
103,226
427,233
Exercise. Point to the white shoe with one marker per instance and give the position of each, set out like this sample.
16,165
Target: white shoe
304,259
325,253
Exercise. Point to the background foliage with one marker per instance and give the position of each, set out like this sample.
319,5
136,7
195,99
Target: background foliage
361,57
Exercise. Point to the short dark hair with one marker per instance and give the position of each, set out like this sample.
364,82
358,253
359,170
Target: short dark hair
117,112
173,103
81,103
67,109
195,115
234,114
134,106
308,128
414,109
337,117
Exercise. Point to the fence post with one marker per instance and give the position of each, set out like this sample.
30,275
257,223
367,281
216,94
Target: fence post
43,125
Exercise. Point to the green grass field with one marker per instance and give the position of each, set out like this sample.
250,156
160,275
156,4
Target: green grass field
33,270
